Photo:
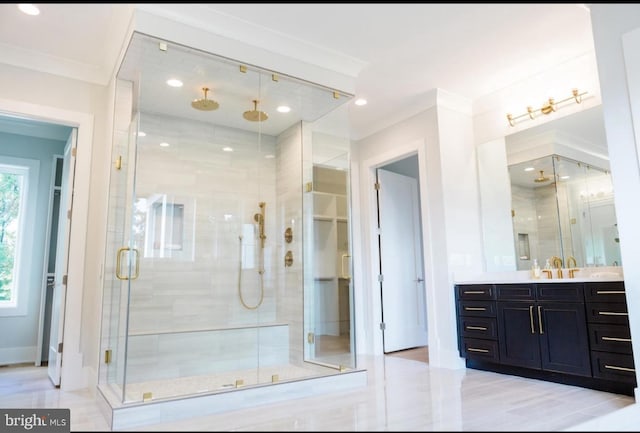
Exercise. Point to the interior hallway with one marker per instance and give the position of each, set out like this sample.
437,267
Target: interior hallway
402,394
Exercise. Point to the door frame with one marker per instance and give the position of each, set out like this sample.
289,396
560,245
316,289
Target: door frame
366,261
75,375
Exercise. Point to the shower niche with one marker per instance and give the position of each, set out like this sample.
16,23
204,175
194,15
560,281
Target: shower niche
203,295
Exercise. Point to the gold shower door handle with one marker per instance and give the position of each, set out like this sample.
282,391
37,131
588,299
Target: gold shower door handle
136,272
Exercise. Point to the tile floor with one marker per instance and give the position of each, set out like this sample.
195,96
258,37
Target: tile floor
402,394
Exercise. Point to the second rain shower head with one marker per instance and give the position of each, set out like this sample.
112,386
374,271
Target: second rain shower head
255,115
205,104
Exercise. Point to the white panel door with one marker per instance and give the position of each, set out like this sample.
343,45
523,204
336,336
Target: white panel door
403,297
62,255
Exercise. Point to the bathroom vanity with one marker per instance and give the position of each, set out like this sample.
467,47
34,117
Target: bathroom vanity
572,331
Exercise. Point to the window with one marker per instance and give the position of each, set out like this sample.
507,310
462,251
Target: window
17,208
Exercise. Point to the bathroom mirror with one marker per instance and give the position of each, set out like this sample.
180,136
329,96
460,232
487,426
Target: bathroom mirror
561,193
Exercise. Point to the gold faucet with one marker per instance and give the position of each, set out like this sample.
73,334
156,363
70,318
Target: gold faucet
556,262
573,269
548,272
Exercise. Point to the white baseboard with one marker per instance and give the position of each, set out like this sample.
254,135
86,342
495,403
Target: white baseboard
17,355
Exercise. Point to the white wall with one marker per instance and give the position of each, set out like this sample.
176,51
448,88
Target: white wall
442,137
610,23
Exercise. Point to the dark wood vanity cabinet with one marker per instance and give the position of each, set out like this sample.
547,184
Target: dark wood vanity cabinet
544,329
574,333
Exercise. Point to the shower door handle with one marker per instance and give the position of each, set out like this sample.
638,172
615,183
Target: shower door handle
136,272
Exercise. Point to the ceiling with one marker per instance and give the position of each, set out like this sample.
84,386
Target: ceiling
398,52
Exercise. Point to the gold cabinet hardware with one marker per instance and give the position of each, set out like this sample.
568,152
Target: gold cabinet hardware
107,356
474,292
476,328
533,331
540,319
625,340
612,313
548,272
288,235
136,272
147,396
288,258
614,367
473,349
609,292
475,308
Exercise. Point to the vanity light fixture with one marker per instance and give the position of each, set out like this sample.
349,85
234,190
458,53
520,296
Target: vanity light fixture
547,108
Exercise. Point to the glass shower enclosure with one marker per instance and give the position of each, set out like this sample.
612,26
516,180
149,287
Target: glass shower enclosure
211,248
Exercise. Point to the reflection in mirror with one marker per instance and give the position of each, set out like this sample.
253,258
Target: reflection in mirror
562,202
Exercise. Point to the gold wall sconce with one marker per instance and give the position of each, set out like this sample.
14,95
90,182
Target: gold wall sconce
547,108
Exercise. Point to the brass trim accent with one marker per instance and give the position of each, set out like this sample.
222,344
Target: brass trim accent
336,94
615,367
612,313
473,349
239,383
474,292
118,255
610,292
342,368
107,356
275,378
548,107
625,340
288,235
147,396
288,258
540,319
475,308
308,187
274,77
119,162
243,69
533,331
476,328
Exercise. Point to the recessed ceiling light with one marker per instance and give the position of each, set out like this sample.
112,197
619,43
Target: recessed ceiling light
283,109
361,101
529,169
269,156
142,134
227,149
164,144
29,9
174,82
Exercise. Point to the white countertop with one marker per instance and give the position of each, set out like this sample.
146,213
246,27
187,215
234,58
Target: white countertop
592,274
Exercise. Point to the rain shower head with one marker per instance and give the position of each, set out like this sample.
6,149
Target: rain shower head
205,104
541,178
255,115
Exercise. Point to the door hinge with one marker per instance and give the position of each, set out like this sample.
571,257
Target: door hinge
380,278
73,152
311,338
383,326
376,186
119,162
69,214
60,347
107,356
64,280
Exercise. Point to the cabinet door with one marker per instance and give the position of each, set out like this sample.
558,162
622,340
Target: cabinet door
564,339
518,335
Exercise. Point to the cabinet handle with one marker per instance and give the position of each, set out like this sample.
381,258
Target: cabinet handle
540,319
475,308
480,328
473,349
533,331
474,292
626,340
609,292
614,367
612,313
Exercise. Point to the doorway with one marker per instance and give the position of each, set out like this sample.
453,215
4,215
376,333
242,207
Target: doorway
401,263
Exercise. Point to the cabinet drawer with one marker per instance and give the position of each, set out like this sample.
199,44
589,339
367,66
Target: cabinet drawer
610,338
515,292
613,366
605,291
476,292
477,308
572,292
478,327
486,350
614,313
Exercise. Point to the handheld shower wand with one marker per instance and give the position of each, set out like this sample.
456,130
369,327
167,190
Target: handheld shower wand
259,218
